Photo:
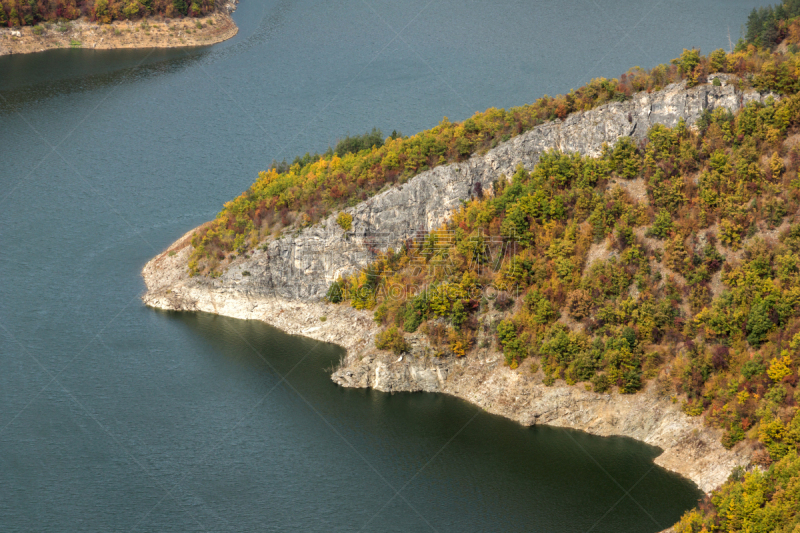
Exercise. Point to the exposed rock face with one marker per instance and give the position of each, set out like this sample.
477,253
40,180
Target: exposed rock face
302,266
167,285
283,285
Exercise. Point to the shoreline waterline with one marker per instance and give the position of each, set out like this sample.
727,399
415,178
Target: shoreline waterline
143,34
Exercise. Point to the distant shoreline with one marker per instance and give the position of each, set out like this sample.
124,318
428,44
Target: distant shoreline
145,33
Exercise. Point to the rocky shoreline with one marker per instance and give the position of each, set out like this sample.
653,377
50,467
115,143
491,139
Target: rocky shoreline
690,448
282,284
148,33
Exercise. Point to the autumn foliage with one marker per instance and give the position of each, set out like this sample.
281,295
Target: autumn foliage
313,187
675,260
30,12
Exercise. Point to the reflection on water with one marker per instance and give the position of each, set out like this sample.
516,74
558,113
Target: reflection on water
495,472
58,73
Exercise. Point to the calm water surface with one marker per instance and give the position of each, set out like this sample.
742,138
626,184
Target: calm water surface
114,417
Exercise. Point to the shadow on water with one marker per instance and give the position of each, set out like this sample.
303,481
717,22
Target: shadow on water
460,463
59,73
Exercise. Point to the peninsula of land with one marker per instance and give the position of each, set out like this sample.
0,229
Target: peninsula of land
623,259
283,283
147,33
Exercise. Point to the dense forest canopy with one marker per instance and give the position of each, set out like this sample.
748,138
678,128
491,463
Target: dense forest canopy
769,26
15,13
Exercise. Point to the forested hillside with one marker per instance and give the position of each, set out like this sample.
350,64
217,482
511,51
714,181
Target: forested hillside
301,194
770,25
674,260
680,252
758,501
31,12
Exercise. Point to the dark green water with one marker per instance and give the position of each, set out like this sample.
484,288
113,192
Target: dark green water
114,417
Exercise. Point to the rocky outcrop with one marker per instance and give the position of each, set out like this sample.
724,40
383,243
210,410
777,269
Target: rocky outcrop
166,276
302,266
282,283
